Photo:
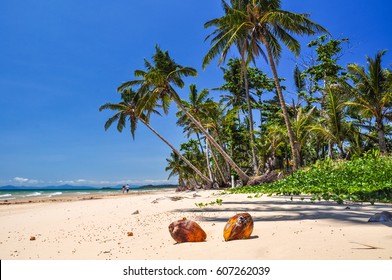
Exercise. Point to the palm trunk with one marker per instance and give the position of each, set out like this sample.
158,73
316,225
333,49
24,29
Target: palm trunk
340,146
244,178
381,137
208,161
250,114
330,154
218,167
199,140
178,153
293,142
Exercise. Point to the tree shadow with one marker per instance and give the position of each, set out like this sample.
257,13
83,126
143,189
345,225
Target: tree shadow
271,211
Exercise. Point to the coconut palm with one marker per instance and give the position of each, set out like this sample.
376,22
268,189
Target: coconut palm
156,87
275,138
372,93
301,122
177,168
228,33
126,109
333,126
196,106
236,96
255,23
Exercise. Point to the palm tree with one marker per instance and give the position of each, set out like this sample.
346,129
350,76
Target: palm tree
227,34
156,87
253,23
333,126
275,138
373,93
196,106
236,97
301,123
126,109
176,167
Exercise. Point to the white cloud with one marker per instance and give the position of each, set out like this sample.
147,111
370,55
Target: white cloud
25,181
21,180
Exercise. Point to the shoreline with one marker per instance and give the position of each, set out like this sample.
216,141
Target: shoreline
98,228
78,197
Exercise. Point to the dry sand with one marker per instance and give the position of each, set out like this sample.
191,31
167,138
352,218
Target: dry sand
284,229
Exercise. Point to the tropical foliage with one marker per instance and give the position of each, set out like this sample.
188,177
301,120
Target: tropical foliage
252,24
249,129
362,179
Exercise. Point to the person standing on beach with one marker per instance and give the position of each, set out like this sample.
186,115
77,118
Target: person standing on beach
127,187
123,188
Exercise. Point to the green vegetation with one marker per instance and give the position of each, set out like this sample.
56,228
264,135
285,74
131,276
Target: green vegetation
216,202
365,179
248,127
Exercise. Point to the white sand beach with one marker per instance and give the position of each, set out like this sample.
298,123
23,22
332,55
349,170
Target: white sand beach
96,228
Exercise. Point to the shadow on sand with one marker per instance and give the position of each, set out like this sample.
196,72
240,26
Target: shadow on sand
269,211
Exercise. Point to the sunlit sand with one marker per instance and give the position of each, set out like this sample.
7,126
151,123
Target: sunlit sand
98,228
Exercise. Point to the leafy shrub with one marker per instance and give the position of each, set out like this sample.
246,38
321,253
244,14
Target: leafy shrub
365,179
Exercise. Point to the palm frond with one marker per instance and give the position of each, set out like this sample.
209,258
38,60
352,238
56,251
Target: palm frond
291,43
111,120
128,84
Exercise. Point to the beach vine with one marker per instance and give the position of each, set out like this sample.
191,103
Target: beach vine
212,203
363,179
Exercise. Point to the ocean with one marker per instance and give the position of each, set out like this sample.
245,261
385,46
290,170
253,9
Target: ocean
10,195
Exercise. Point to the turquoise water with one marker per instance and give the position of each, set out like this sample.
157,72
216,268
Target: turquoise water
40,193
45,193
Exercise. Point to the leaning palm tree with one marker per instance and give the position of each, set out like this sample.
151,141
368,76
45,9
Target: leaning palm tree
156,87
198,106
257,23
126,109
372,93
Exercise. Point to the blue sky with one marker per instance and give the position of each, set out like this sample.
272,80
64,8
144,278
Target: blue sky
62,59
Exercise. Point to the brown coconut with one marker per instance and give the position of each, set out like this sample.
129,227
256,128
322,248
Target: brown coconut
187,231
239,226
